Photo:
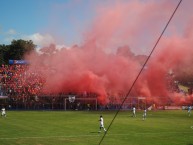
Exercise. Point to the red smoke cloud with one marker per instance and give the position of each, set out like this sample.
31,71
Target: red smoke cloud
109,59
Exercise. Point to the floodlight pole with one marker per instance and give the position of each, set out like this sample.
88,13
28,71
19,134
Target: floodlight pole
65,104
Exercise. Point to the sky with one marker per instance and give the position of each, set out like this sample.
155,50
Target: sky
57,21
62,22
66,22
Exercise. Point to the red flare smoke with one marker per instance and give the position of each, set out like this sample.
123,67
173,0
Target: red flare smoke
106,65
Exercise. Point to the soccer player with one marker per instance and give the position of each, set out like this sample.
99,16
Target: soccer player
189,110
144,114
134,115
101,124
3,113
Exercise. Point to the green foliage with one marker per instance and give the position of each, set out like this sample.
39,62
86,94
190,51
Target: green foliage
16,50
3,49
81,128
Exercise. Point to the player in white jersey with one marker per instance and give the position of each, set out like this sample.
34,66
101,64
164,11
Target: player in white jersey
189,110
134,113
144,114
3,113
101,124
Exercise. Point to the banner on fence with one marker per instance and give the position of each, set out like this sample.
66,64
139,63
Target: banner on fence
18,62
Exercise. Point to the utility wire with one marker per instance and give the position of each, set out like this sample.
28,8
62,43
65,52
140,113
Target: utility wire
140,71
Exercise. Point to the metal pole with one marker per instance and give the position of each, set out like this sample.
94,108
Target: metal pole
96,104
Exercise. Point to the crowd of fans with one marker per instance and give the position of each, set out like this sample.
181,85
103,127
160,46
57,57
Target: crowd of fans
16,80
20,84
24,90
172,86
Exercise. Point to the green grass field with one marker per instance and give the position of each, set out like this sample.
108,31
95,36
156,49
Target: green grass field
81,128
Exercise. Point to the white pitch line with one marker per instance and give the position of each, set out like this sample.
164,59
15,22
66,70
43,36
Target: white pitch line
74,136
39,137
191,127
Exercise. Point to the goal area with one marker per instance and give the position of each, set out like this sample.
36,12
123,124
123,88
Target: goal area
71,103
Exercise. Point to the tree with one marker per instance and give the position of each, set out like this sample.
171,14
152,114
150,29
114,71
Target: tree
16,50
3,49
20,48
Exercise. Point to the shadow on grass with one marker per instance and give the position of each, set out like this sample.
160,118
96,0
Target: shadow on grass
94,132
